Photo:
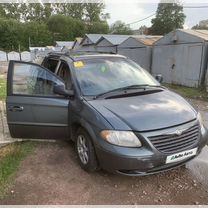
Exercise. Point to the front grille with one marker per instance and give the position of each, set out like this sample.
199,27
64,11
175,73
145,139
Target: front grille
173,143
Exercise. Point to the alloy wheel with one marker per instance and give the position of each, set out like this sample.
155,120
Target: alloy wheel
82,149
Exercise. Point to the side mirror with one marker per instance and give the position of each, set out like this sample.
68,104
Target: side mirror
61,90
159,78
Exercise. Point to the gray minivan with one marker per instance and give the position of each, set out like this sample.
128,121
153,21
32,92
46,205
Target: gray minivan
120,117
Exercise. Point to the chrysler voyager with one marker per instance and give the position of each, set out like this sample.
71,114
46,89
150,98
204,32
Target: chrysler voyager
119,116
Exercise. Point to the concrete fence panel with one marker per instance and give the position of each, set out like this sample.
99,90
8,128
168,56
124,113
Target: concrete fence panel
13,56
26,56
3,56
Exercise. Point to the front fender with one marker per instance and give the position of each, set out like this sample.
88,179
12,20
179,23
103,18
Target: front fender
89,119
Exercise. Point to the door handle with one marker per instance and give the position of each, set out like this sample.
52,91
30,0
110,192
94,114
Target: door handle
16,108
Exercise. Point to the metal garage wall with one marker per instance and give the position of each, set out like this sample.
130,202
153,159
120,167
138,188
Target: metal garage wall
87,48
139,49
181,57
179,64
109,49
141,56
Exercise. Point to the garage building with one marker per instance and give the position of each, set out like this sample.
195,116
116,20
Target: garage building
88,42
139,49
110,43
181,57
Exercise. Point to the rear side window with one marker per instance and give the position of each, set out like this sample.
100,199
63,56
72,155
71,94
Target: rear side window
50,64
30,79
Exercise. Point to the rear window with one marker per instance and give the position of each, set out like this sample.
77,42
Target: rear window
50,64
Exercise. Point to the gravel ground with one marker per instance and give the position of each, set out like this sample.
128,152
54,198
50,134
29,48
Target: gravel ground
51,175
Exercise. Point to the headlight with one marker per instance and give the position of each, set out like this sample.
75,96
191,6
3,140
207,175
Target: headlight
121,138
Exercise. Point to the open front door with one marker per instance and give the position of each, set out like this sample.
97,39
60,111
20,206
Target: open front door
33,110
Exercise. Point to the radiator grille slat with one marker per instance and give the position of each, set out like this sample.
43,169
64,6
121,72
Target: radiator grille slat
174,143
177,145
179,139
178,149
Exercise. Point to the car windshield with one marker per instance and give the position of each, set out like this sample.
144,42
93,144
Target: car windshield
97,76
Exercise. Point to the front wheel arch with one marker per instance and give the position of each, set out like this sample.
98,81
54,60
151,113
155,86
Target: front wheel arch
86,126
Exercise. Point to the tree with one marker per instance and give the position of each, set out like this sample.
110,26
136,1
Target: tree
199,27
15,35
75,10
38,34
2,12
203,25
105,16
38,12
68,28
26,12
93,11
65,27
143,30
121,28
10,10
45,23
11,34
90,12
98,27
169,16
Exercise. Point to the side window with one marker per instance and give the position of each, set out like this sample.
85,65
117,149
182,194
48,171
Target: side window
64,74
50,64
30,79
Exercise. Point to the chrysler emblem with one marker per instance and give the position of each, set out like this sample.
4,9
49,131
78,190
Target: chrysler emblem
178,132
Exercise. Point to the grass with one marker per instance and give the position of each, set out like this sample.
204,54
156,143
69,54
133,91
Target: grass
10,159
194,93
2,89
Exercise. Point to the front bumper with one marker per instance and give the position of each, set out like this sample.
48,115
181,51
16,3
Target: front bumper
140,161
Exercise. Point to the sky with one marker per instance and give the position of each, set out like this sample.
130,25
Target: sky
132,10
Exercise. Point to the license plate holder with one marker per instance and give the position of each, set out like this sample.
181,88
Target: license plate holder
181,156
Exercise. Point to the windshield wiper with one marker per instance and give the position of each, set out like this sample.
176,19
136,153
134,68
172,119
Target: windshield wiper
130,87
142,86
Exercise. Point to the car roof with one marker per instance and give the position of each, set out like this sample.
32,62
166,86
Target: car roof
83,56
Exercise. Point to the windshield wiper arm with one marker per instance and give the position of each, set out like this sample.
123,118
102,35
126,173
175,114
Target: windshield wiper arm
143,86
110,91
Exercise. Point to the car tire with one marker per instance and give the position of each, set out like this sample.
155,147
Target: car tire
85,151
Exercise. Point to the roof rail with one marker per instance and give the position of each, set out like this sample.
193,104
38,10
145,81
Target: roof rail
90,52
59,53
74,53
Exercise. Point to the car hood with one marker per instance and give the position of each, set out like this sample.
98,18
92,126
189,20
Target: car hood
145,112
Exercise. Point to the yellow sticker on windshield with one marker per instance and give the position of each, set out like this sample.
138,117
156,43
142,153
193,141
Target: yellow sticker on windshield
78,64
